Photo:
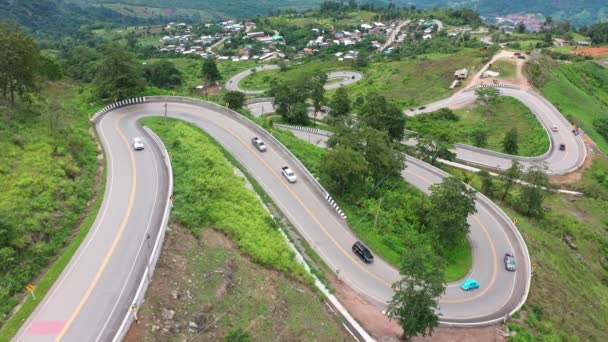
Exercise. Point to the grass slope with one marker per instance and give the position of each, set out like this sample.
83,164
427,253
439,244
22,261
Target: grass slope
508,113
209,194
382,222
220,288
416,82
47,170
262,80
580,91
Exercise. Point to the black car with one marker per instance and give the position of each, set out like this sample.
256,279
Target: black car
562,147
421,108
363,252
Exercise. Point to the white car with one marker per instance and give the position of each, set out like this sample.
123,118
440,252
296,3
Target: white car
554,128
288,174
138,143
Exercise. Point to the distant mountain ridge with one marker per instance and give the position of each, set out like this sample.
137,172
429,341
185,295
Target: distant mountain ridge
577,12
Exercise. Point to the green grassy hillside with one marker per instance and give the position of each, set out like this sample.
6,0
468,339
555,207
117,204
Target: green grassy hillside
580,92
47,169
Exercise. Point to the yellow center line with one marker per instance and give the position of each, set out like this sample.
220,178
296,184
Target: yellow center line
494,256
114,243
297,198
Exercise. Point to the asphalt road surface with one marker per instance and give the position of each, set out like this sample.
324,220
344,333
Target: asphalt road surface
95,290
336,79
556,161
92,295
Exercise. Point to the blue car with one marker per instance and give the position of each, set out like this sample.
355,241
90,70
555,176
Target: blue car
469,284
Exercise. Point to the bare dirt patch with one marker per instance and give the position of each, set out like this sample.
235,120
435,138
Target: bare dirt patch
576,176
592,51
204,289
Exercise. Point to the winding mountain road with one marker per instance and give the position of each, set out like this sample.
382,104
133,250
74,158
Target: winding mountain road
95,291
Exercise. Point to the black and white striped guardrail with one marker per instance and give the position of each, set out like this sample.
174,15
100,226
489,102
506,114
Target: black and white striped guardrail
117,104
304,129
334,205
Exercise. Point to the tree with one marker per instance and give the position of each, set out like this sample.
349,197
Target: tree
362,59
344,169
317,89
50,68
538,71
298,115
119,75
480,138
340,103
234,99
510,176
533,194
163,74
450,204
383,156
19,60
509,143
415,298
435,146
289,99
520,27
383,115
487,184
487,95
210,72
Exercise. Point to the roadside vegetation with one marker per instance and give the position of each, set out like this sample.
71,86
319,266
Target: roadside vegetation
568,245
47,169
380,218
485,125
580,92
219,265
199,203
416,82
263,80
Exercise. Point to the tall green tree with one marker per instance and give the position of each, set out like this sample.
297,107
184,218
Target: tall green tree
510,176
289,99
383,115
210,72
317,89
510,142
415,300
119,75
344,169
450,204
340,103
534,193
19,60
487,183
487,95
480,138
163,74
234,99
435,146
